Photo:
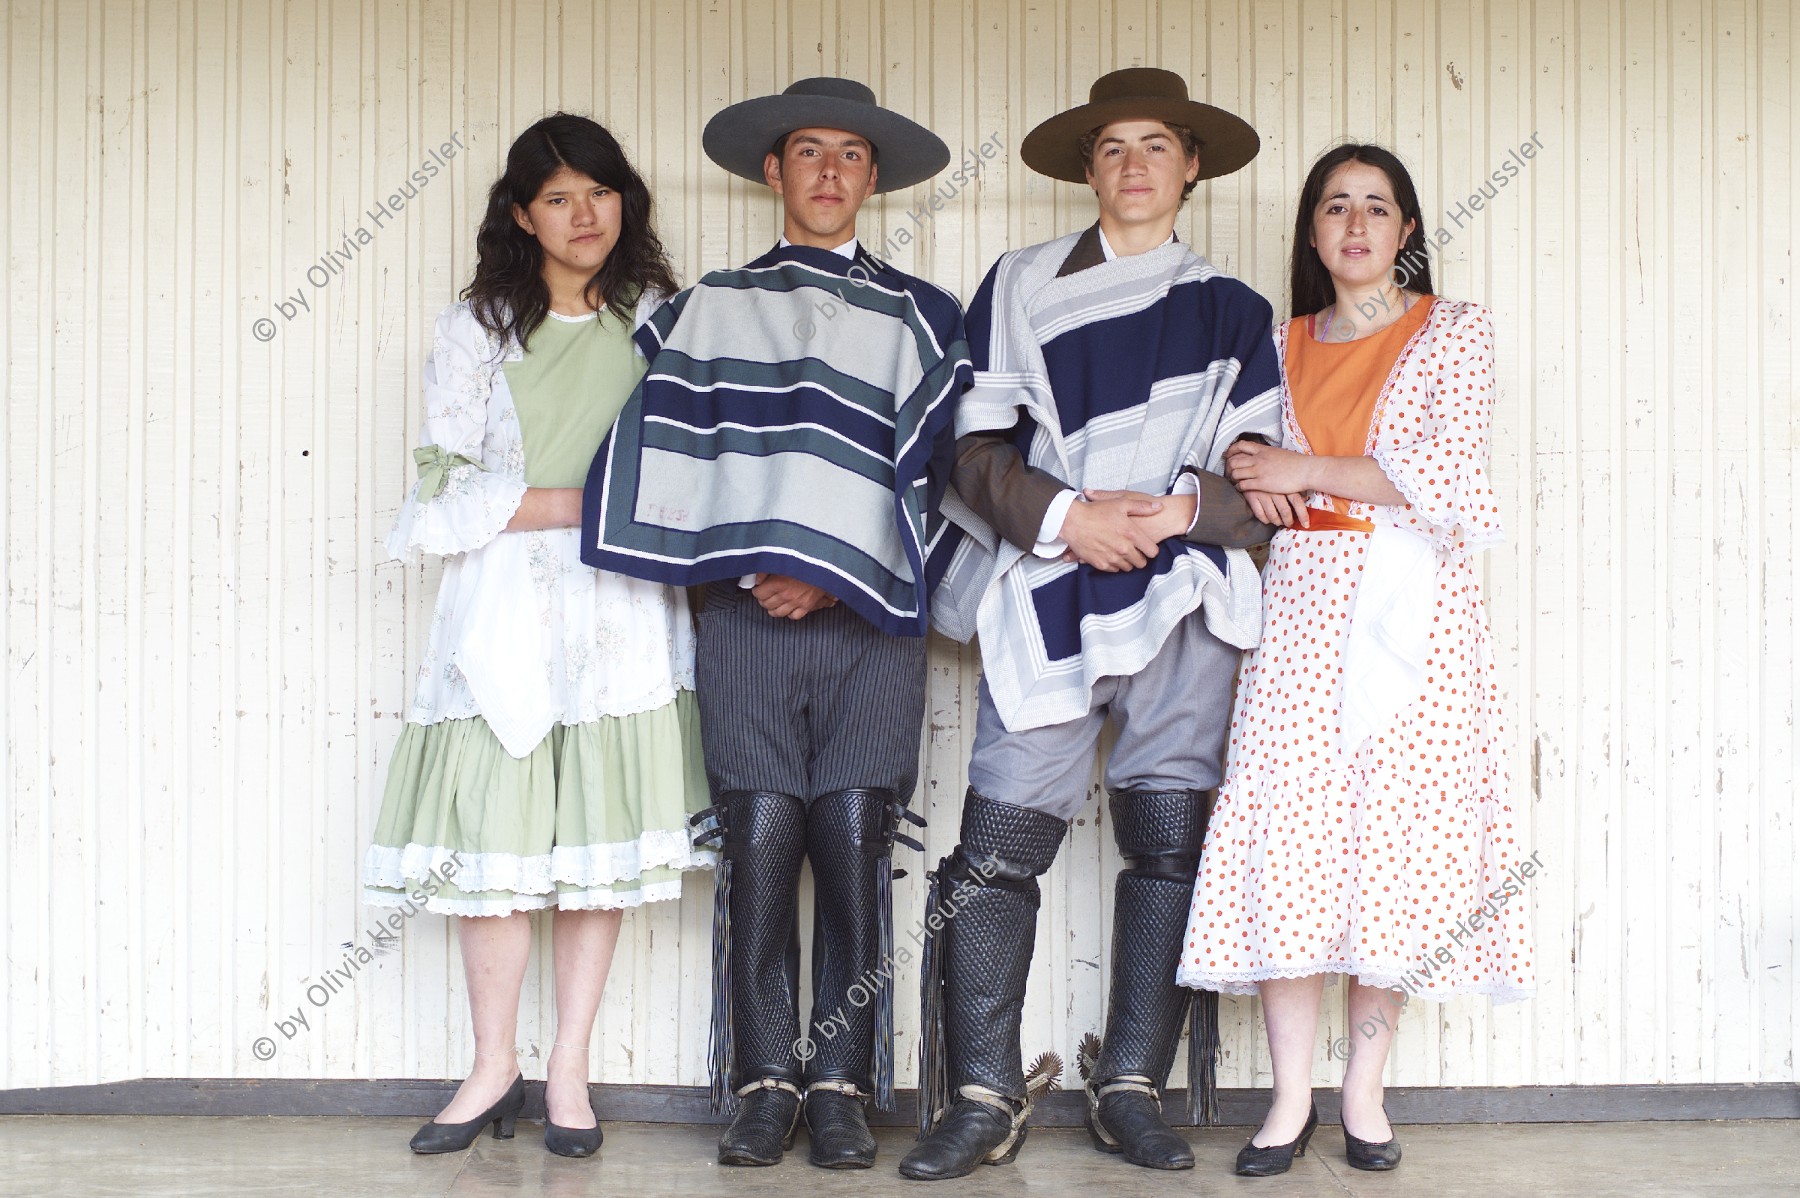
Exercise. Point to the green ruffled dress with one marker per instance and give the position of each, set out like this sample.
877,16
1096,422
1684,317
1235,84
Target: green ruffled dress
588,674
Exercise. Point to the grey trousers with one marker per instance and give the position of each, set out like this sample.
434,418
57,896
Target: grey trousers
805,707
1173,716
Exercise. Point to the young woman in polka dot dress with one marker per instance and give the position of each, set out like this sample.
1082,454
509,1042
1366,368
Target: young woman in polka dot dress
1363,826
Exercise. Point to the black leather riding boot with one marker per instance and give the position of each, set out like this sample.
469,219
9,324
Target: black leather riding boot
848,838
764,841
1160,834
983,917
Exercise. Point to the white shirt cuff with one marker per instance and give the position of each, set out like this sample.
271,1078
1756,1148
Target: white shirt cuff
1187,484
1050,542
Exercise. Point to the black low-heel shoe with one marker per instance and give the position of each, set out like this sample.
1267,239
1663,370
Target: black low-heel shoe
838,1127
972,1133
1366,1154
768,1114
1276,1158
454,1137
1130,1122
572,1141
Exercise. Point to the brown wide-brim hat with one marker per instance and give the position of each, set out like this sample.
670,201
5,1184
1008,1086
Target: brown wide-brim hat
1227,142
738,138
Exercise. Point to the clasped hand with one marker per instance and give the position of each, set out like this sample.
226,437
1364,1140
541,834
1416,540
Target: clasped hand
789,598
1273,481
1114,531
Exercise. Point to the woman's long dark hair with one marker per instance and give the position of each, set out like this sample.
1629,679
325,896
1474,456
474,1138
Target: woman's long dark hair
1310,282
508,294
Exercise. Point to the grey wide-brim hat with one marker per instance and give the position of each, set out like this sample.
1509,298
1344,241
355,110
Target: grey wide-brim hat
739,137
1227,142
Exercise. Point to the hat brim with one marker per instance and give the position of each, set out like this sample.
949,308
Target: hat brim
1227,142
738,138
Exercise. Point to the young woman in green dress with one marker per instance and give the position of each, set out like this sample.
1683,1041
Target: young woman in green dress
551,756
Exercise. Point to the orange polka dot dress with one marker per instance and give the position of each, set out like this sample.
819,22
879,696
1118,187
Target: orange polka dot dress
1400,861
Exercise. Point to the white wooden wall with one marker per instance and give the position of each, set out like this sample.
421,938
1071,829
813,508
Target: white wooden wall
206,662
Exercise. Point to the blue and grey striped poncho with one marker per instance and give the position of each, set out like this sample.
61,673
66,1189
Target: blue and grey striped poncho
796,419
1114,377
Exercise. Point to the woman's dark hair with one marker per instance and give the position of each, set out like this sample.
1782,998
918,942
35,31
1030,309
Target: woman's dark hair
1310,281
508,294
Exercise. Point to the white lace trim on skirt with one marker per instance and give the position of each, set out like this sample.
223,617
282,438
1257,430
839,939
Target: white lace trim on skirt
593,867
596,899
1389,977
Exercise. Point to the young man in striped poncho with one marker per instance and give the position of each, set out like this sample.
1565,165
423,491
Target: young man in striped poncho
789,446
1103,567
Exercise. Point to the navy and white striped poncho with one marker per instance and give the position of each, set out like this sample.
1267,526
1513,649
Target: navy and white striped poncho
1116,377
796,419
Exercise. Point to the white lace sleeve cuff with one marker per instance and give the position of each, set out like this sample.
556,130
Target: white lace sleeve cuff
473,508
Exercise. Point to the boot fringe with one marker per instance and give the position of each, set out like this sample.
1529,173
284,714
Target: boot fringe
720,1039
934,1074
884,993
721,1044
1203,1059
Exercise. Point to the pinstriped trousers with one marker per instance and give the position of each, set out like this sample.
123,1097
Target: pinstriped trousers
805,707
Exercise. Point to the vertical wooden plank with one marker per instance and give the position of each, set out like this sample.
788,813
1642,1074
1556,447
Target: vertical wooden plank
308,940
274,152
16,863
1778,691
1508,268
1549,466
1649,409
216,1004
276,493
1316,114
385,1039
171,678
1686,580
24,460
1731,533
108,567
375,155
1595,559
71,538
139,336
1418,133
1360,93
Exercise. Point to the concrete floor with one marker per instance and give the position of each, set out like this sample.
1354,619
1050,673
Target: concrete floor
354,1158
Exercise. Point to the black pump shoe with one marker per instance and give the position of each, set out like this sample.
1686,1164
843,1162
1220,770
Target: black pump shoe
1276,1158
837,1127
454,1137
572,1141
765,1123
1367,1154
